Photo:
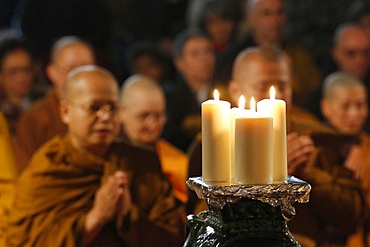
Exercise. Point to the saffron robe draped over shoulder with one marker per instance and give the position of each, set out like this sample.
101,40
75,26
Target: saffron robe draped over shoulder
57,189
174,165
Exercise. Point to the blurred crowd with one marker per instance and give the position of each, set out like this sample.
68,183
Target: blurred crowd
167,57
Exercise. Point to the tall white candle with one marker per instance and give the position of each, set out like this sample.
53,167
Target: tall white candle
276,109
253,148
234,113
216,140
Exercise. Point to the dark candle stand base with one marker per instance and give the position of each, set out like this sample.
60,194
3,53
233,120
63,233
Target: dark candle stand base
245,215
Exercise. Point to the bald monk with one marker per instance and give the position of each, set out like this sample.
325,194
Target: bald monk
143,119
85,189
41,122
344,106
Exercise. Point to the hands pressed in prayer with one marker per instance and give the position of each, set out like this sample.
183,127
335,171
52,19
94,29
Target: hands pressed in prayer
355,161
111,199
299,151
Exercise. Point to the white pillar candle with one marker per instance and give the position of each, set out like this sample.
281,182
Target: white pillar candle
216,140
234,113
253,148
276,109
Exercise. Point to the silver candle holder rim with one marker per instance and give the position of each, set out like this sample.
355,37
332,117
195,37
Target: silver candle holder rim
282,194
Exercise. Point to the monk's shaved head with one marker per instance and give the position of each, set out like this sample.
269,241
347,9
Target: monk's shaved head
139,84
253,55
67,41
79,78
339,79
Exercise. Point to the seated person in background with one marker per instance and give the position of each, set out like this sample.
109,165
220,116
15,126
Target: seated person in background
345,108
350,53
194,61
146,58
337,205
8,174
143,118
17,79
41,122
85,189
220,20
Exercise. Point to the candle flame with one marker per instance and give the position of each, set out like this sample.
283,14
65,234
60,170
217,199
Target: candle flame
216,95
253,104
241,103
272,92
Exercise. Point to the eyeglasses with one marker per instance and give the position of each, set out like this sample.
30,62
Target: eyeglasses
98,109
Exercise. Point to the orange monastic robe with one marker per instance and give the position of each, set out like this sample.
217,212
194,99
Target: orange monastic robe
174,165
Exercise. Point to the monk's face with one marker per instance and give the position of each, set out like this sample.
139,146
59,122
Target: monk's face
91,112
346,110
143,118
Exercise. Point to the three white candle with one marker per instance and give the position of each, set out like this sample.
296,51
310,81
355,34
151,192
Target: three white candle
240,144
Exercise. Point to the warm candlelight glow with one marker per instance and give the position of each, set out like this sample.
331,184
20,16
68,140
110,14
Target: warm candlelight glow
272,92
241,103
216,95
253,104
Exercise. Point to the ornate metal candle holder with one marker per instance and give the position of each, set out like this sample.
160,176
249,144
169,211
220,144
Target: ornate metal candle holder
245,215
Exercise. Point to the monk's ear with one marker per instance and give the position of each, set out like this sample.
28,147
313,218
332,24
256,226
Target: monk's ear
335,53
324,107
234,91
51,72
179,64
64,111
